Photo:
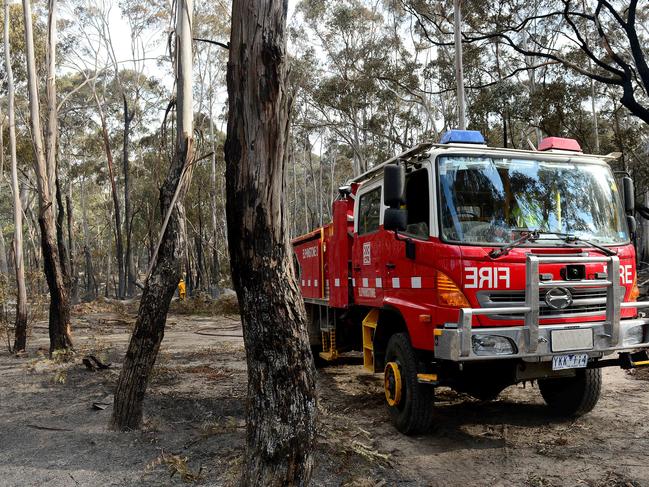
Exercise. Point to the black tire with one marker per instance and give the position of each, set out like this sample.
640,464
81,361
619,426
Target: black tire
572,396
414,413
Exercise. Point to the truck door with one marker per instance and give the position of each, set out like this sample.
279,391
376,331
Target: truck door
408,277
367,271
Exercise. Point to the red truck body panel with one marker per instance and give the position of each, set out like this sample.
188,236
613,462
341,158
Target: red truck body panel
382,277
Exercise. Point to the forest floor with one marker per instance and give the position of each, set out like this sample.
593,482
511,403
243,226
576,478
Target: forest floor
51,434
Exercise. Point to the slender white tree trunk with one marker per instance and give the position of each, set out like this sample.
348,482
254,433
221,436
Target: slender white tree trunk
20,340
59,316
52,116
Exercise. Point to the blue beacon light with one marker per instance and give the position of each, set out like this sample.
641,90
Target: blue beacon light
462,137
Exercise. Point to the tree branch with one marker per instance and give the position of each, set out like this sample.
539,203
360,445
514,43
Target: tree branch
210,41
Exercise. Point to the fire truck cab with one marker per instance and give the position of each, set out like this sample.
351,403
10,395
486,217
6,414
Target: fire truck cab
461,265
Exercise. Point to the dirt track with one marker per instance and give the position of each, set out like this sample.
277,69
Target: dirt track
51,435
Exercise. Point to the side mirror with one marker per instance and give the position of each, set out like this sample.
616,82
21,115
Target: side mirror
632,224
394,182
629,195
395,219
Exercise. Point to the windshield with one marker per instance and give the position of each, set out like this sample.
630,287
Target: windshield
491,200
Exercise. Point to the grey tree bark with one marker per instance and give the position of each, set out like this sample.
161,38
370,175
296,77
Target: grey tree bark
165,271
20,333
119,240
59,312
281,384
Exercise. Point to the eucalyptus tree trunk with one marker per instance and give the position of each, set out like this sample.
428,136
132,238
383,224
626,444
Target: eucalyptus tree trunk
281,384
119,241
128,213
20,336
165,271
91,287
60,234
4,266
59,315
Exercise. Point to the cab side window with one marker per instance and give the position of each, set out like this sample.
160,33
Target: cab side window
418,203
369,211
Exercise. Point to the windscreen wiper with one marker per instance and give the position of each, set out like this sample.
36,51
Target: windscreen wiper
526,236
571,238
574,239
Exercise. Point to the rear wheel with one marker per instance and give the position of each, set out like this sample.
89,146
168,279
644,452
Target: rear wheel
409,403
572,396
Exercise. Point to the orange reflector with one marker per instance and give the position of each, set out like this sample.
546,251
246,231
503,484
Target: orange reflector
448,294
635,290
425,318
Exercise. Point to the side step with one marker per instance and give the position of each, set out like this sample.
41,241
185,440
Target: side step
329,350
369,326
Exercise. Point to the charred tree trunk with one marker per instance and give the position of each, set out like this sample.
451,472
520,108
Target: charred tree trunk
281,384
20,333
59,312
165,272
60,234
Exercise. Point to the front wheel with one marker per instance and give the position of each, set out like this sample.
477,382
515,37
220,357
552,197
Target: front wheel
410,404
572,396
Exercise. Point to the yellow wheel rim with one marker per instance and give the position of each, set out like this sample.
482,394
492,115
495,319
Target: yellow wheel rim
392,383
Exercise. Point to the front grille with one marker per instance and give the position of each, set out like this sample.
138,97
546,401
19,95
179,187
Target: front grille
579,307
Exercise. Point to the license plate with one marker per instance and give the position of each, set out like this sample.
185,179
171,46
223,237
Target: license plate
566,340
570,361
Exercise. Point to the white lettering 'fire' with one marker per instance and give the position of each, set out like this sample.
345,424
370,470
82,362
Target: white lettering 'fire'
487,277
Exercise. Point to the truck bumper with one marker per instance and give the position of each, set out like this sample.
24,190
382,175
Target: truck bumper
461,341
509,342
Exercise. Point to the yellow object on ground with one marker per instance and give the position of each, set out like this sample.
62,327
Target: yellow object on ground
181,289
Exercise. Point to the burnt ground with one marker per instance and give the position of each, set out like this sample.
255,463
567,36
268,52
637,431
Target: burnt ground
50,433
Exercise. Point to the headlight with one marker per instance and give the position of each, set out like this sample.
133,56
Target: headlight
633,336
492,345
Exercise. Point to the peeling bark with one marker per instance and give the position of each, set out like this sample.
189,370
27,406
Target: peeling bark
281,384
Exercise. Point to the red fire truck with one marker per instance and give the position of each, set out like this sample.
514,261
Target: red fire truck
472,267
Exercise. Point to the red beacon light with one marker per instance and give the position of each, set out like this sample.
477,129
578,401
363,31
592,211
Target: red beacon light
559,143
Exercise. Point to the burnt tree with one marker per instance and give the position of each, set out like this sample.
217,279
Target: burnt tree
59,312
281,384
165,272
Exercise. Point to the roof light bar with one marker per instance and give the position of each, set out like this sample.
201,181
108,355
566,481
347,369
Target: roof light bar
559,143
455,136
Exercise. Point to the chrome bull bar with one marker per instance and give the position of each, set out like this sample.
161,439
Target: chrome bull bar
455,340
